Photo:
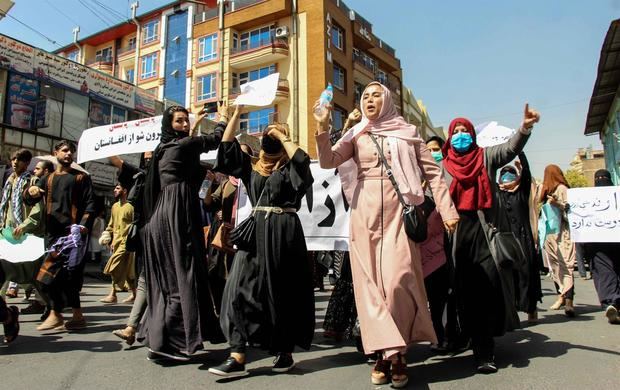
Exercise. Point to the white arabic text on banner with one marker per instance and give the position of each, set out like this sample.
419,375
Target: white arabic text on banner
594,214
261,92
326,223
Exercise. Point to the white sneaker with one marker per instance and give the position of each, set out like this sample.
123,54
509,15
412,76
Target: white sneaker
612,315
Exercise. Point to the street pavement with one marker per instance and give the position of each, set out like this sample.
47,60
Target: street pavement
557,353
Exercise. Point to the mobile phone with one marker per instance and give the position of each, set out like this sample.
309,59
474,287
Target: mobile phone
210,107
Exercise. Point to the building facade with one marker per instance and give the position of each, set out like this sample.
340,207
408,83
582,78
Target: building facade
192,54
414,112
587,162
604,111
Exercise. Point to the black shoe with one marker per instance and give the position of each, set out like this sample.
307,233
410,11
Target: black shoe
46,313
34,308
283,362
231,367
487,367
170,355
153,357
11,328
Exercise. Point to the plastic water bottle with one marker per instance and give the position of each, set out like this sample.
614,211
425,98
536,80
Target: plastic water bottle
326,98
204,188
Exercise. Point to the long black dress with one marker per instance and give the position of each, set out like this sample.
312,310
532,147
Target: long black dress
269,299
180,313
528,290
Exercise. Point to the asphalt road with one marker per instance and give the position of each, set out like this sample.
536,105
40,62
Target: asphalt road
557,353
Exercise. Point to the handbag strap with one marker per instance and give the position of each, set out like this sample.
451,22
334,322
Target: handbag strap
388,171
259,198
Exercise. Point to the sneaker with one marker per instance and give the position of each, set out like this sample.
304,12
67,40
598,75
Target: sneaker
612,315
487,368
283,362
173,355
231,367
33,308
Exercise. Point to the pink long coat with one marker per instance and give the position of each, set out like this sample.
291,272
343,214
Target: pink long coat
387,271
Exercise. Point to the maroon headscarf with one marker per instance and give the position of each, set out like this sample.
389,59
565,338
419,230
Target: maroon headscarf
470,188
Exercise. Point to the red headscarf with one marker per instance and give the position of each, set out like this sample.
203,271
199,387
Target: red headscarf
470,188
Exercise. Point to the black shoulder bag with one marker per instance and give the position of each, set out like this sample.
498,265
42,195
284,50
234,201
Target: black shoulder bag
413,216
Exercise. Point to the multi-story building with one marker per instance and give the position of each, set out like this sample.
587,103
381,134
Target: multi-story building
587,161
193,55
415,112
604,111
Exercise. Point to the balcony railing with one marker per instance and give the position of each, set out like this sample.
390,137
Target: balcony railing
264,42
365,63
100,60
126,50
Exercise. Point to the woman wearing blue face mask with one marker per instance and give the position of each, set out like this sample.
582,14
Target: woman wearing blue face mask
518,202
484,283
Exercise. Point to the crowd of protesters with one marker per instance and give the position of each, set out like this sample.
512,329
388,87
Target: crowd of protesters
171,231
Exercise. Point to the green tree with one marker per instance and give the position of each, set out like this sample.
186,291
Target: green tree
575,178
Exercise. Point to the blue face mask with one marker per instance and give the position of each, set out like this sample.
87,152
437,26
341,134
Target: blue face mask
461,142
508,177
438,156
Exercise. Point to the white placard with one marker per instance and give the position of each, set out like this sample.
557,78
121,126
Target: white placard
491,134
31,249
261,92
137,136
326,224
594,214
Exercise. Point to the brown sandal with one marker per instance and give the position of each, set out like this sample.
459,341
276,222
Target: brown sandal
399,373
381,372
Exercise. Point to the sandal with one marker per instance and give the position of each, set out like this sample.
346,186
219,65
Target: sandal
399,373
558,304
11,329
120,333
109,299
381,372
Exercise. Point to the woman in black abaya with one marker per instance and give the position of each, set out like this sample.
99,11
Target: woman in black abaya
180,315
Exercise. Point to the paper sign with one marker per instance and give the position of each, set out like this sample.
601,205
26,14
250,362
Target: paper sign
26,248
260,92
594,214
491,134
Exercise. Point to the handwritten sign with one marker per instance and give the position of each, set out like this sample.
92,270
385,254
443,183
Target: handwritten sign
594,214
261,92
137,136
323,215
492,133
16,55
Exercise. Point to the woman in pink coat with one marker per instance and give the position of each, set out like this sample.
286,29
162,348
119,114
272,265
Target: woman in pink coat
386,266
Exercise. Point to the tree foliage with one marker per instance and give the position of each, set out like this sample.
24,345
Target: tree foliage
575,179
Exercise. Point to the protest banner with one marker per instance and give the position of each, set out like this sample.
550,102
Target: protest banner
594,214
26,248
491,134
323,215
261,92
141,135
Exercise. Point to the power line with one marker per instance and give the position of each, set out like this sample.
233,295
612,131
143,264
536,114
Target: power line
32,29
62,13
92,11
110,10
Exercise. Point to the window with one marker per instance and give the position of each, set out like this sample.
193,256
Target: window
364,59
74,55
153,91
104,55
100,113
244,77
359,89
150,31
339,116
75,115
340,81
255,122
382,77
118,114
256,38
148,66
337,37
206,88
207,48
129,75
131,44
235,41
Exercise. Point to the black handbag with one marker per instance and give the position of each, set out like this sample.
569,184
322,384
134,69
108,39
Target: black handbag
504,246
414,218
243,236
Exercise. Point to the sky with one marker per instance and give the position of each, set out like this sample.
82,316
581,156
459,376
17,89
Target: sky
479,59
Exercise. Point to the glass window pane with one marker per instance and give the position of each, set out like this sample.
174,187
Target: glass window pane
53,115
28,140
44,144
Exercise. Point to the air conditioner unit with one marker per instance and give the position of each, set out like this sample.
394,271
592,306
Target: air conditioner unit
282,32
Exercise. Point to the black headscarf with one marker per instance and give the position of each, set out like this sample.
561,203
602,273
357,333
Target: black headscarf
602,178
152,184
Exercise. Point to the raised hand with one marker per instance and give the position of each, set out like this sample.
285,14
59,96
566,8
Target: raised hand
355,115
322,117
530,116
276,131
